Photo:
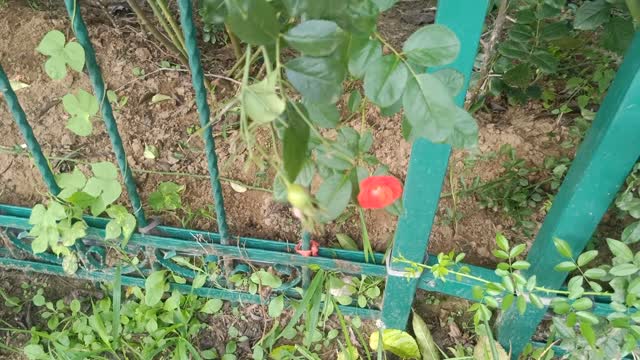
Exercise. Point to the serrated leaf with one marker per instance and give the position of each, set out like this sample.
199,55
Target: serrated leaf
295,144
323,115
333,196
395,341
315,37
363,52
432,45
520,75
253,21
544,61
318,79
591,14
452,79
385,80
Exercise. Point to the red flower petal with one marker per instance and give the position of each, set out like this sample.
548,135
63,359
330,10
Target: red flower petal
377,192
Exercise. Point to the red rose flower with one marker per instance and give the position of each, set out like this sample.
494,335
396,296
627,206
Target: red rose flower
377,192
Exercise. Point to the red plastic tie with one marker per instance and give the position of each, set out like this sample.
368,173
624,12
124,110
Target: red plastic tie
311,252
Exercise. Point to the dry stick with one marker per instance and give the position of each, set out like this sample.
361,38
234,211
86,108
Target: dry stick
165,26
156,34
237,50
176,29
488,51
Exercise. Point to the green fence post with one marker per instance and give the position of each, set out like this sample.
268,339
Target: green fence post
427,169
197,77
604,159
27,133
100,92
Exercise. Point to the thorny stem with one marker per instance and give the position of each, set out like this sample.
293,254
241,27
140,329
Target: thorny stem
484,281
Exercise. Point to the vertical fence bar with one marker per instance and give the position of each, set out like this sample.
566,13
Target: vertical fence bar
427,169
79,28
27,133
604,159
197,77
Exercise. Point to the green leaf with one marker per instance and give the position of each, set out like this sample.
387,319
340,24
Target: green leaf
261,100
591,15
507,301
502,242
521,304
385,80
103,185
212,306
563,248
520,75
544,61
333,196
565,266
595,273
452,79
70,183
362,53
431,111
253,21
265,278
623,270
582,304
631,233
276,306
617,34
34,352
426,345
634,287
355,99
295,144
587,316
620,250
586,257
81,107
513,50
53,45
318,79
154,287
562,329
536,301
587,331
397,342
520,265
384,5
74,55
517,250
346,242
315,37
323,115
432,45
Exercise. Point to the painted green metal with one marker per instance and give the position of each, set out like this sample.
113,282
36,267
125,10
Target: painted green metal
197,77
427,169
602,163
224,294
100,91
27,133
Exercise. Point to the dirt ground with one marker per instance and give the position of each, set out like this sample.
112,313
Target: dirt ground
123,47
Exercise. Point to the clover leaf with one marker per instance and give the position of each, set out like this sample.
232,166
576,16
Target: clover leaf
104,186
81,107
60,55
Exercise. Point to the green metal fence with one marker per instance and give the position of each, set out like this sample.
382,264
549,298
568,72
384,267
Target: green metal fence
603,161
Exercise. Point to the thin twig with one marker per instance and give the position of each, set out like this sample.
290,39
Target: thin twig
488,51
